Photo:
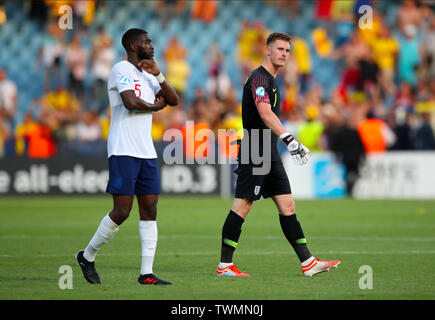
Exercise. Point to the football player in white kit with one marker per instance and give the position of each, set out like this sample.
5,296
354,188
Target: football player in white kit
136,88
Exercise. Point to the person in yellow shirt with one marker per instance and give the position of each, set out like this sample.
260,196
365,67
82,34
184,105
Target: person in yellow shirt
385,49
104,121
250,46
303,61
61,105
311,130
21,131
174,50
371,32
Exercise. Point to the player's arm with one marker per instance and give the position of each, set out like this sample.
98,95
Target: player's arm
270,119
131,102
167,91
296,149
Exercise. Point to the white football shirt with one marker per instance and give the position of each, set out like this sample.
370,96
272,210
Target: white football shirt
130,130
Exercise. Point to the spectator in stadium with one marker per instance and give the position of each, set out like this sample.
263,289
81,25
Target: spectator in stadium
408,14
372,28
215,111
22,130
403,129
3,15
200,115
102,61
429,44
345,141
290,8
5,133
88,136
61,111
311,130
385,49
351,52
61,106
204,10
177,68
369,73
38,11
100,39
83,12
50,54
8,98
375,134
302,56
88,128
76,60
345,26
231,121
405,96
40,140
410,55
104,121
250,46
218,82
323,10
168,9
323,44
425,135
174,50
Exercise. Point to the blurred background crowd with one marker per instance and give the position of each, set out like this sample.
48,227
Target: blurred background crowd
357,81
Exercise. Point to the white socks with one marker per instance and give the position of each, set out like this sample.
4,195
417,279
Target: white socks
148,238
307,262
107,230
224,264
104,233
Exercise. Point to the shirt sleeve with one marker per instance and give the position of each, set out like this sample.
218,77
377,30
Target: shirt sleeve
260,88
122,80
156,86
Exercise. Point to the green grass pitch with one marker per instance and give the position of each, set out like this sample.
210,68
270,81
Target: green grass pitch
395,238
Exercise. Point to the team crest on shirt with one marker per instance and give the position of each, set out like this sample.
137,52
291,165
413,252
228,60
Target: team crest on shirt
124,80
260,91
257,190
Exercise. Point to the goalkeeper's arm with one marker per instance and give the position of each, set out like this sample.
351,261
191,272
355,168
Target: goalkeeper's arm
270,119
297,150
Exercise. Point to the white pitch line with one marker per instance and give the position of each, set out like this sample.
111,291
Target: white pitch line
240,253
180,236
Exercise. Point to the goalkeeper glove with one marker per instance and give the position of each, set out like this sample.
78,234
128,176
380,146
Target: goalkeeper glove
297,150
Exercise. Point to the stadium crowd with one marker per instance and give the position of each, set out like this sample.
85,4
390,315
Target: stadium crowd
385,96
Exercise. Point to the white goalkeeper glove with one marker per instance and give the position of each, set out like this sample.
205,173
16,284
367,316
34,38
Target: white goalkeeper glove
297,150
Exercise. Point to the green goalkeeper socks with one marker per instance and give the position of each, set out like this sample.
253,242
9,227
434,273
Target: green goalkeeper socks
294,234
230,236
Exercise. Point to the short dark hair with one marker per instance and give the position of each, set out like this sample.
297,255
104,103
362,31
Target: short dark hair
130,36
278,36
